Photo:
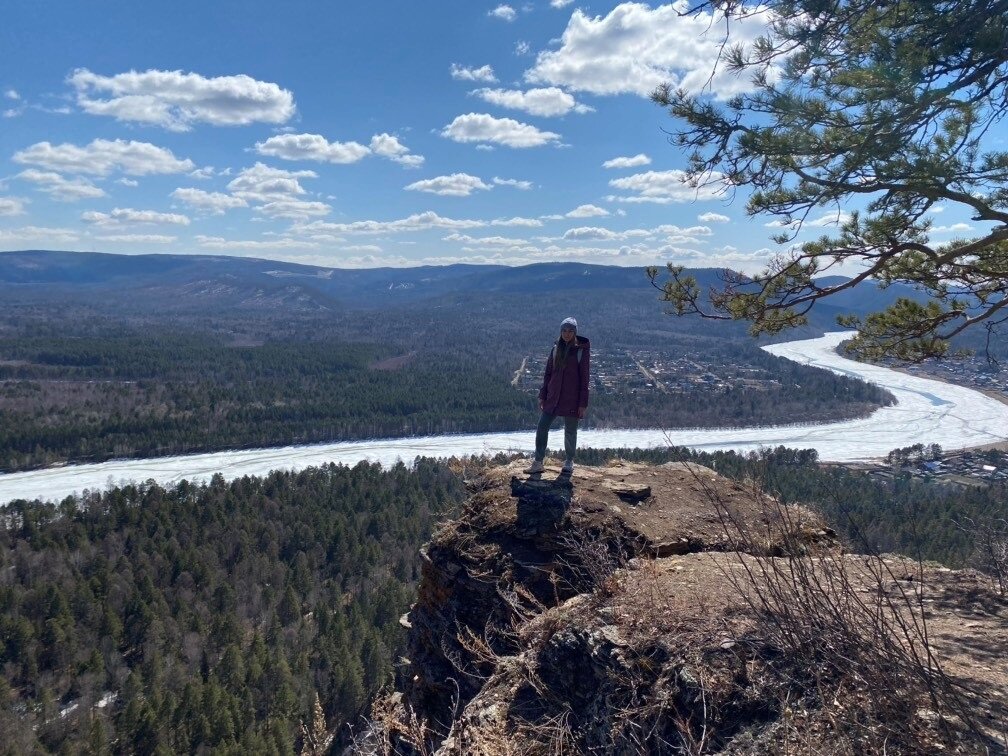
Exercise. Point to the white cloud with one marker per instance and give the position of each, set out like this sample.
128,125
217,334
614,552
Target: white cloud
38,233
455,185
219,242
293,209
261,183
316,147
829,219
387,146
664,187
516,183
276,193
546,101
215,203
416,222
127,181
61,188
628,162
480,127
138,238
176,100
522,48
935,209
11,206
483,73
205,172
503,12
560,3
955,228
634,48
489,241
713,218
527,222
11,94
312,147
125,216
690,231
587,211
102,156
583,233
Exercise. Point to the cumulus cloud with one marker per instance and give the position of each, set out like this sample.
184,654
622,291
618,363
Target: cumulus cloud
517,221
387,146
102,156
219,242
126,216
587,211
176,100
483,128
584,233
38,233
261,183
545,101
829,219
516,183
560,3
713,218
214,203
138,238
483,73
316,147
634,48
503,12
127,182
455,185
276,193
416,222
488,241
628,162
664,187
955,228
11,94
11,206
312,147
60,187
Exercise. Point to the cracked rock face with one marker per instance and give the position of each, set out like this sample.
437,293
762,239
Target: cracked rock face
609,613
525,545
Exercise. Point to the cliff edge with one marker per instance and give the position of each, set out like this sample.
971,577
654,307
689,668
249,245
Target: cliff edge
666,609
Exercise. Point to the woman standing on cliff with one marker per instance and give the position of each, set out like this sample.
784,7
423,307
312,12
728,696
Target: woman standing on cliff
564,393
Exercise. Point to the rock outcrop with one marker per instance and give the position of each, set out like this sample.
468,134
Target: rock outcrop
646,609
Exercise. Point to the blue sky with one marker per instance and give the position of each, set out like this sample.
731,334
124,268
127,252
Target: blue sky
350,135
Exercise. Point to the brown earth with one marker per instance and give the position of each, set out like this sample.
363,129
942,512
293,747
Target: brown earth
664,609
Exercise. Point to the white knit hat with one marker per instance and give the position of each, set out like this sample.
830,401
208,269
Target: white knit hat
570,322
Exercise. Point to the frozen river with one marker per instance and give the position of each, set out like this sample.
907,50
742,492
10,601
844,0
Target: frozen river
926,411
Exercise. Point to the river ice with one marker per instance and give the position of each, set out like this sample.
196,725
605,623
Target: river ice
926,411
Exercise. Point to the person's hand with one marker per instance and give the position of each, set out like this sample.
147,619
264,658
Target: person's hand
581,412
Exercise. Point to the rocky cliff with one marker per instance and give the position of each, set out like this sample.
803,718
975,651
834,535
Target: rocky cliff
664,609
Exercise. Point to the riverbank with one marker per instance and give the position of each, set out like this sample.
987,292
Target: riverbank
926,411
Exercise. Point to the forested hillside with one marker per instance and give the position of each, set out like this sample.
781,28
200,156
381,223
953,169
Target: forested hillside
211,616
145,620
86,383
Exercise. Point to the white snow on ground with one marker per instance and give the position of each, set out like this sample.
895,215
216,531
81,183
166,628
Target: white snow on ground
926,411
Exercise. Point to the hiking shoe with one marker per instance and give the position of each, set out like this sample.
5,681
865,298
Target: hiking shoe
568,467
535,467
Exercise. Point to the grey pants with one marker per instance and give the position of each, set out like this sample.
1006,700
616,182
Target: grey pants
542,435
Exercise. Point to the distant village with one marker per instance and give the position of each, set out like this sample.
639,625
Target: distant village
928,461
971,373
650,371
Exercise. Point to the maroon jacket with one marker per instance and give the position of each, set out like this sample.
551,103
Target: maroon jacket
565,391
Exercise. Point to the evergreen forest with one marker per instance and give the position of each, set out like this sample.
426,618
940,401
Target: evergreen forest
213,617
